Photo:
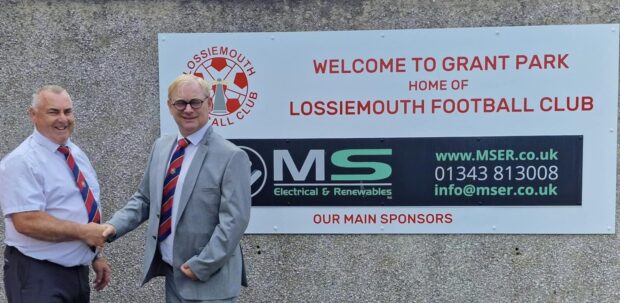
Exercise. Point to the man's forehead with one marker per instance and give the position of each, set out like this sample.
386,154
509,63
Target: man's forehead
50,99
189,87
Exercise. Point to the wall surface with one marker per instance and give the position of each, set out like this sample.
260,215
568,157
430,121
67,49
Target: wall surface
105,53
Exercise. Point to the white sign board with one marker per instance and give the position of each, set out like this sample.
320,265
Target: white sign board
471,130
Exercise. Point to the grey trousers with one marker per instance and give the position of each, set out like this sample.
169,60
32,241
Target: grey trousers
173,296
28,280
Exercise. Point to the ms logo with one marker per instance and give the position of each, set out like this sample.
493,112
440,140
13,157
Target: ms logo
258,176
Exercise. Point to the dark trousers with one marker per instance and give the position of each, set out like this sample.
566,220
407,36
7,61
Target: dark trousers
28,280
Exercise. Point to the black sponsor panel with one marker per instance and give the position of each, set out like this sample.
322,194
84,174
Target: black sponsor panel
460,171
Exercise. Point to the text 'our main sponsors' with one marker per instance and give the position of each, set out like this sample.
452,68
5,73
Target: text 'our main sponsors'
383,218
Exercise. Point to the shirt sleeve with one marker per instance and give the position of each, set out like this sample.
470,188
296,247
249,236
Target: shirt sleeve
20,190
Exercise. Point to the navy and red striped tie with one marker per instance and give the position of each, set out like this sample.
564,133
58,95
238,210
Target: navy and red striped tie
170,183
87,194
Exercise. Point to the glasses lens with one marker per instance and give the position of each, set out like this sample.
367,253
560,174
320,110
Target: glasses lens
180,104
195,103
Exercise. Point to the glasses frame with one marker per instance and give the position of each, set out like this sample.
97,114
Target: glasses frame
194,105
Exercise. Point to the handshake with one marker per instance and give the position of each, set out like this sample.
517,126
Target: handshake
96,235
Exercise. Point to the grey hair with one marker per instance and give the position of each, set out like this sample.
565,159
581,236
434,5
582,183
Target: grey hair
36,97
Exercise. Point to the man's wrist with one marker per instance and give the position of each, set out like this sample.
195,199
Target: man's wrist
98,253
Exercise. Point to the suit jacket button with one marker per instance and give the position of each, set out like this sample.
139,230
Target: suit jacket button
155,237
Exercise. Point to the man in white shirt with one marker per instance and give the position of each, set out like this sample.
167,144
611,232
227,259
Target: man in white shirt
49,196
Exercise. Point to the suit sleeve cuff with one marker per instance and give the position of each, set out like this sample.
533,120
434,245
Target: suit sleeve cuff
202,272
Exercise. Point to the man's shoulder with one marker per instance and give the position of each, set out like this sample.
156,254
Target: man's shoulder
21,154
217,141
165,138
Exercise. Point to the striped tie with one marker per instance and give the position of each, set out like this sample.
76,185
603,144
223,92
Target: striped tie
170,183
87,194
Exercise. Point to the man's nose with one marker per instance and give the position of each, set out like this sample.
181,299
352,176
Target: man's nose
63,117
188,108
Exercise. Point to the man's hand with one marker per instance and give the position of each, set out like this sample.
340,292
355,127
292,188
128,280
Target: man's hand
102,273
188,272
109,231
92,234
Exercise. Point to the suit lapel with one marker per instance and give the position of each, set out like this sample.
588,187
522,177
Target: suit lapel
158,171
192,173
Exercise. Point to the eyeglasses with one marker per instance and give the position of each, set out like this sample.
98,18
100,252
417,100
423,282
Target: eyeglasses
182,104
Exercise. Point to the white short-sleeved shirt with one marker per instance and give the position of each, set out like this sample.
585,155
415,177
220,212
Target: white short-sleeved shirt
35,177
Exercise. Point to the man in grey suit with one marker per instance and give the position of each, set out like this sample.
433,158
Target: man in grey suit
195,194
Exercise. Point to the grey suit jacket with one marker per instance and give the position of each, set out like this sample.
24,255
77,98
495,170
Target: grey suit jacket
213,213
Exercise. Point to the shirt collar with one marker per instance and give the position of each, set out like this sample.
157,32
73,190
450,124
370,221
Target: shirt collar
46,142
196,136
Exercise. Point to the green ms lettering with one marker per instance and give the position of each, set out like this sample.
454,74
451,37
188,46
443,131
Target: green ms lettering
381,170
316,158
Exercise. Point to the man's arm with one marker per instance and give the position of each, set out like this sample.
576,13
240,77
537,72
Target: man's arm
42,226
234,215
127,218
135,211
23,199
